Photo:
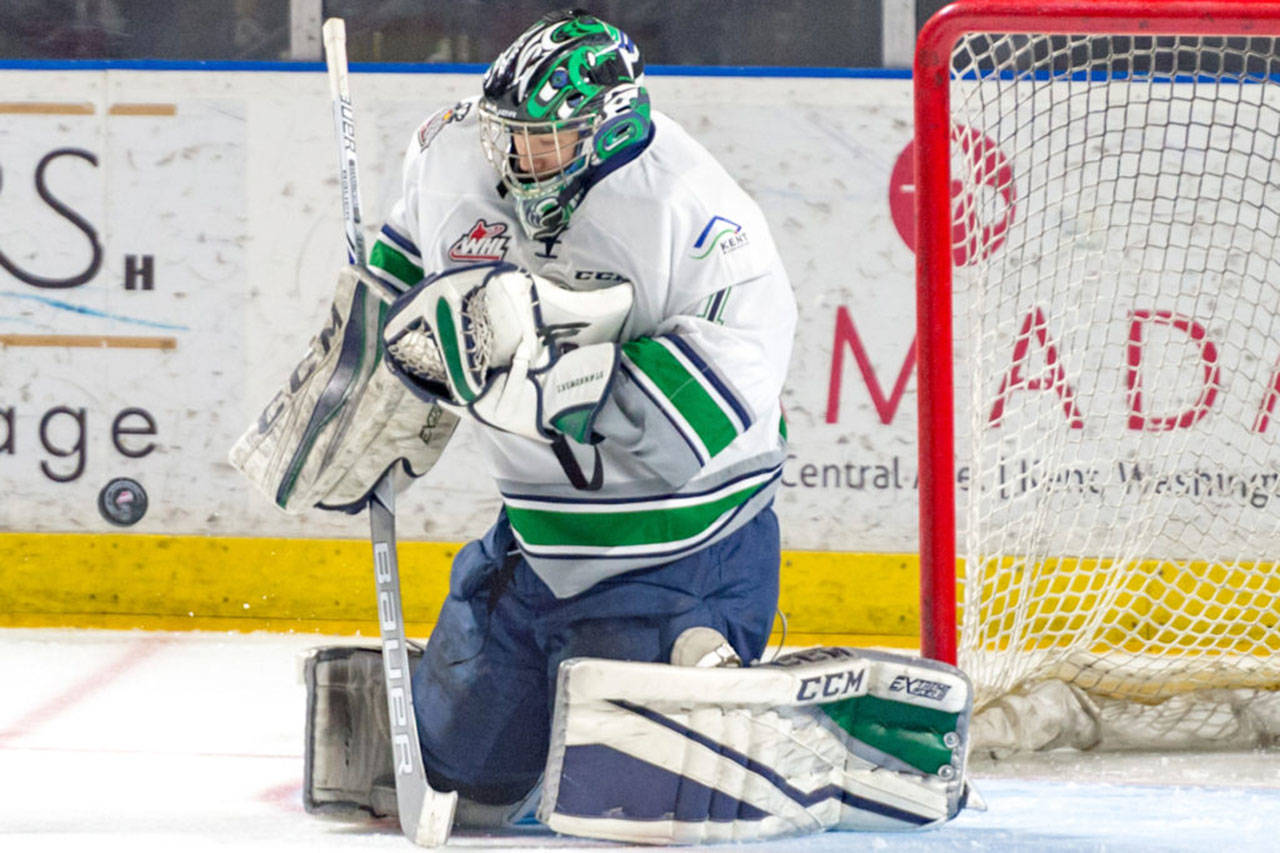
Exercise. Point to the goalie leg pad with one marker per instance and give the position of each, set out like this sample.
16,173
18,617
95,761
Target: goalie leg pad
348,771
829,738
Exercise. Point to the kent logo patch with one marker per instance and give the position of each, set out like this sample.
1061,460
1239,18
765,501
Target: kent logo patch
721,233
484,241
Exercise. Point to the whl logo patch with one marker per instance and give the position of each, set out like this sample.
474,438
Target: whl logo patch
484,241
725,233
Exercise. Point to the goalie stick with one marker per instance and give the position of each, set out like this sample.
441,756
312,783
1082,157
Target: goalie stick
426,815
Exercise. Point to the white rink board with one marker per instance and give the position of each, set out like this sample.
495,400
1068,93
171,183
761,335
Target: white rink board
234,198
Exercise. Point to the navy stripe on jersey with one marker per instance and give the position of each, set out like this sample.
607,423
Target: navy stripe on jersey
402,241
664,410
714,378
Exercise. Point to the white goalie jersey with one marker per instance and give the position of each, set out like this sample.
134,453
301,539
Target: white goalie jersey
693,435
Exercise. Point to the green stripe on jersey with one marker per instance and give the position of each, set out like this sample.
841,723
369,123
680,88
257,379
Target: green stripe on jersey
540,527
686,393
392,260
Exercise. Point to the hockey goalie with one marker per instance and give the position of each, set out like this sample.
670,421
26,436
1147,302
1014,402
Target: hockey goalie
586,285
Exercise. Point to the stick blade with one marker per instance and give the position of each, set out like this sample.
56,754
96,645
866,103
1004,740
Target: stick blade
435,820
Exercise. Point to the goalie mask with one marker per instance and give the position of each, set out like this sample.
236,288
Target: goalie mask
563,106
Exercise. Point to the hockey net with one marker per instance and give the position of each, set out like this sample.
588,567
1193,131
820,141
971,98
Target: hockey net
1099,264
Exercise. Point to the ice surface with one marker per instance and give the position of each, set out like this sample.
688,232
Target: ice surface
139,741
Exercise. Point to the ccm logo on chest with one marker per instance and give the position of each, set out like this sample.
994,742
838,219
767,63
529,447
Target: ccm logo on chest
831,685
600,275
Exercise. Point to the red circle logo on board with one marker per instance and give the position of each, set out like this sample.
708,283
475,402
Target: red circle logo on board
980,215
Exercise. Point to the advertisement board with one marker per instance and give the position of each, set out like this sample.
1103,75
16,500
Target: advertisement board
170,239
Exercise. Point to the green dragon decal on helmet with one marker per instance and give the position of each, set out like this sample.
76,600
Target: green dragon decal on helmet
569,91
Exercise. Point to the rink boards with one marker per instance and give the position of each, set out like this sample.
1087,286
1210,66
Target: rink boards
170,238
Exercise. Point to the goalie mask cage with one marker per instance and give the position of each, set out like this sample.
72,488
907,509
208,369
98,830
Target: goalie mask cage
1098,263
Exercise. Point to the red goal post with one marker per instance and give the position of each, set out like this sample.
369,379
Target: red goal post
935,135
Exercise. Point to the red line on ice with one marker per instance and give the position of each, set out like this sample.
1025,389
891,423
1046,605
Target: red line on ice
82,689
287,796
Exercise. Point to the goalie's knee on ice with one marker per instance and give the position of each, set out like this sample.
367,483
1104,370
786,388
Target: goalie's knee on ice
482,727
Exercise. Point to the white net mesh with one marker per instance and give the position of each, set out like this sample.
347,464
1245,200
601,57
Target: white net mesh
1116,212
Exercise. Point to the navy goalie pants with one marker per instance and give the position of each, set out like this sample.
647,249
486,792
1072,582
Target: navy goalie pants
484,690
